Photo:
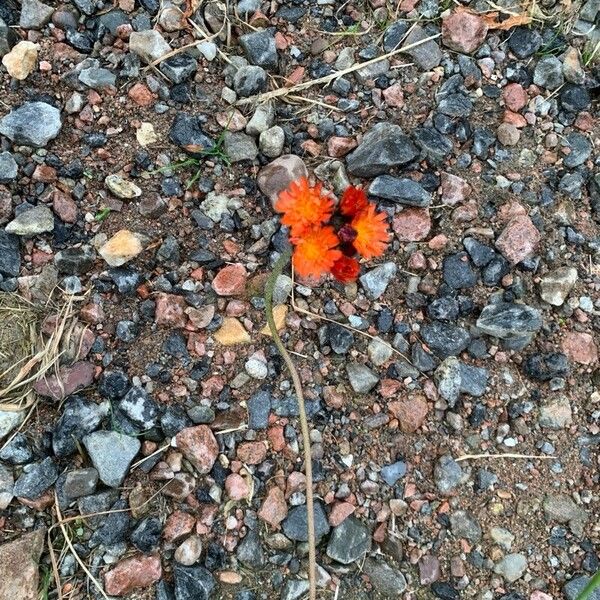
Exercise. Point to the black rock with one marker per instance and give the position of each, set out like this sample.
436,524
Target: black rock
524,42
173,420
574,98
79,417
75,261
445,308
458,272
455,105
260,49
250,551
146,535
444,590
140,408
180,67
400,190
394,34
113,385
338,338
291,14
544,367
36,479
383,147
495,270
432,143
112,528
480,253
164,590
259,407
483,140
186,132
445,339
296,528
10,258
192,583
126,279
423,360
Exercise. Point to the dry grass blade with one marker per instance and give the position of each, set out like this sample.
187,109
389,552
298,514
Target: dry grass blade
43,356
331,77
507,455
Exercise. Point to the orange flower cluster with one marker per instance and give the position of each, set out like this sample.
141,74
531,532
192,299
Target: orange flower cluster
327,240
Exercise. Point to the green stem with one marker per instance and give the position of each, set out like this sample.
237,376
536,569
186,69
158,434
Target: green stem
588,590
282,261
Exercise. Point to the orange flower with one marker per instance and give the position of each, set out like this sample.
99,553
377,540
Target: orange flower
303,206
345,269
353,201
315,252
372,234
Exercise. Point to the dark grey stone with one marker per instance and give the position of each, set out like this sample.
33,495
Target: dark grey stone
400,190
349,542
260,49
36,479
10,257
31,124
296,528
445,339
192,583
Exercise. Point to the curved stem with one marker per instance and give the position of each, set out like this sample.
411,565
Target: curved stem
310,514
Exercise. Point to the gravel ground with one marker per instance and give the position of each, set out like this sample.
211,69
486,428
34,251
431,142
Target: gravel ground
139,160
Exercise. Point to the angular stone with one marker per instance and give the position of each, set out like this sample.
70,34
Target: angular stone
376,281
506,320
349,542
21,61
232,332
28,223
135,573
149,45
555,286
296,528
426,55
383,147
34,14
68,380
121,248
274,507
511,567
388,581
199,446
556,413
412,224
580,347
362,379
400,190
277,175
32,124
19,566
121,187
111,453
463,31
230,280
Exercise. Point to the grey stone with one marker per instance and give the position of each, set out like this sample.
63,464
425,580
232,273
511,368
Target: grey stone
401,190
10,257
372,71
562,509
464,525
575,586
7,483
362,379
8,38
250,551
511,567
524,42
271,141
260,49
16,451
392,473
506,320
8,167
186,132
34,14
28,223
548,73
9,419
250,80
448,379
349,542
555,286
385,579
458,273
111,453
434,146
394,34
259,407
426,55
239,147
80,482
295,527
32,124
36,479
295,589
383,147
447,474
580,149
262,119
98,79
149,45
376,281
